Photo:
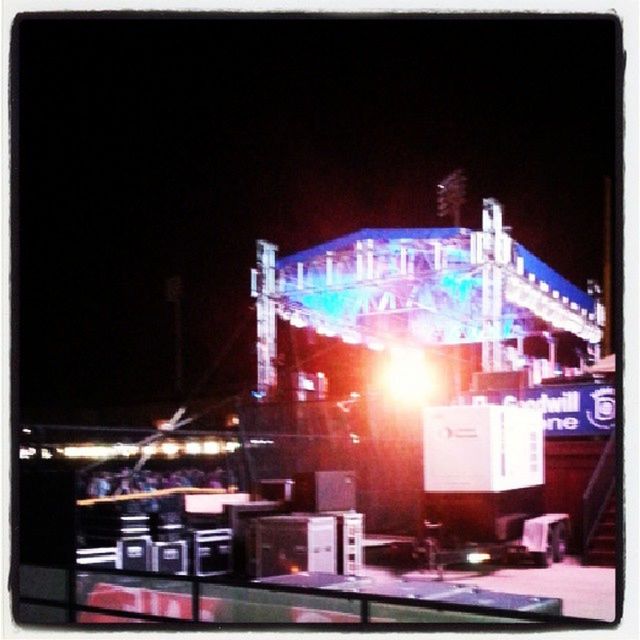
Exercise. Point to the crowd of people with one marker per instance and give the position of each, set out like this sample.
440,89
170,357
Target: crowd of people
101,484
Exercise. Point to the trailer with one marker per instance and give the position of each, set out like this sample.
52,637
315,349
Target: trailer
483,488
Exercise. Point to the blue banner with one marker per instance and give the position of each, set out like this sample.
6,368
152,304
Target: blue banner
568,410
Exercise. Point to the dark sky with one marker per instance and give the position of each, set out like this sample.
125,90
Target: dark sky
149,148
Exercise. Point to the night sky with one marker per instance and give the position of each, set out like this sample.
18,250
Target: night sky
149,148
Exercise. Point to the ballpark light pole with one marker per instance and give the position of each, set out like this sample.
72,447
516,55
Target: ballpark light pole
452,195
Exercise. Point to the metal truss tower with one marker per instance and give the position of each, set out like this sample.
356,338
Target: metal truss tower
263,288
493,252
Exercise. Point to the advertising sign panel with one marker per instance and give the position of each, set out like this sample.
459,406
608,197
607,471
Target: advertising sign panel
568,410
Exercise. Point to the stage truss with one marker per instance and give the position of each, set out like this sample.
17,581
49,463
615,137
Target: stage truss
419,287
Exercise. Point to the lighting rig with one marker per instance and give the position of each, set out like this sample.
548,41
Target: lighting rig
388,289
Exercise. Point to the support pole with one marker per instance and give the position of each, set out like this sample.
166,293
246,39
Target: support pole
492,286
552,345
266,344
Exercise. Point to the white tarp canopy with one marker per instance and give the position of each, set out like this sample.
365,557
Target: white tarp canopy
605,365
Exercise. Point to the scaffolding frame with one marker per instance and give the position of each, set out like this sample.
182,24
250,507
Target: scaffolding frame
419,287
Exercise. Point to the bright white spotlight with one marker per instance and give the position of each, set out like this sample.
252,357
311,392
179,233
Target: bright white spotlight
477,558
193,448
211,447
169,448
406,376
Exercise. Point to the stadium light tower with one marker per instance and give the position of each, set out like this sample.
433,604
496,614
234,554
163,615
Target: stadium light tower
452,195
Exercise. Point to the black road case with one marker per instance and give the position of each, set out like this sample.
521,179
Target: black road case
211,552
134,554
170,557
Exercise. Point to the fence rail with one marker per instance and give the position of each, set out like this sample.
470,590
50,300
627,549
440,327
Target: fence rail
115,597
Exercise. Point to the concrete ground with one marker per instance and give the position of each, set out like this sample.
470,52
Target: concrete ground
586,592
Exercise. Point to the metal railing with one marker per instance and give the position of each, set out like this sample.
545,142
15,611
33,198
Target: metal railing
98,596
598,491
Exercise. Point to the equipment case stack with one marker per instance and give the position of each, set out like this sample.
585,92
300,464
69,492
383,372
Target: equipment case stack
294,543
105,527
350,536
240,518
168,527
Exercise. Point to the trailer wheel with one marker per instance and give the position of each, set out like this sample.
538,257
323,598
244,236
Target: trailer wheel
559,542
543,559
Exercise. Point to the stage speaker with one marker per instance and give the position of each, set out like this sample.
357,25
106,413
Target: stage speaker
319,491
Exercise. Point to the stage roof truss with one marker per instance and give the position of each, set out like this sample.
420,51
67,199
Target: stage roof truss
423,286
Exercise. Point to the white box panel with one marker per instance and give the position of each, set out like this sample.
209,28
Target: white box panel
482,448
212,502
